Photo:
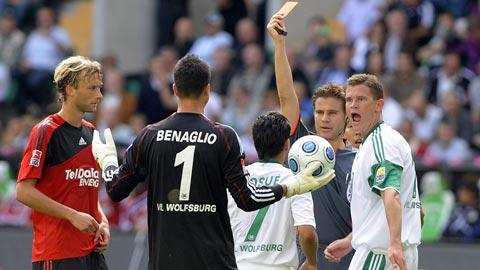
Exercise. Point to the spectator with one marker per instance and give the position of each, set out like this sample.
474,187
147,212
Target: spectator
404,79
239,114
465,220
397,25
359,15
421,16
447,148
305,102
45,47
392,111
340,69
213,39
469,48
456,114
255,77
11,39
156,100
371,42
375,65
167,13
406,128
183,35
222,71
450,77
246,32
432,54
424,116
319,48
232,11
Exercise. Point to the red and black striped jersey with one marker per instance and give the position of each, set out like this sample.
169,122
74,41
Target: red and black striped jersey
59,156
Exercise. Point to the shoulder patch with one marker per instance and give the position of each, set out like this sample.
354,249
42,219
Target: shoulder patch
380,175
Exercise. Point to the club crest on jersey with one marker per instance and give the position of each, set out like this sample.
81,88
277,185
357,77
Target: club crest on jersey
380,176
35,159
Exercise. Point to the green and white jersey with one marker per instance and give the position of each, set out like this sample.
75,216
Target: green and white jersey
268,236
383,161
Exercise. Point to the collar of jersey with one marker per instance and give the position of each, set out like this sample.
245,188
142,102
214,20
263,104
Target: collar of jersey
268,161
374,127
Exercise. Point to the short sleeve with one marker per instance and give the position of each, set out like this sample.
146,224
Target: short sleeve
35,154
302,210
385,175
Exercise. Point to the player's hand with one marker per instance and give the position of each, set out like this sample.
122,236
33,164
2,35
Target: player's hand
337,250
395,255
306,266
105,153
306,182
277,22
102,237
84,222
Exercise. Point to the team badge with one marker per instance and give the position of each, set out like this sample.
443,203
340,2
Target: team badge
35,159
380,176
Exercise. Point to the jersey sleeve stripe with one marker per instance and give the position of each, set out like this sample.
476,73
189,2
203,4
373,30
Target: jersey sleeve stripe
375,147
256,191
262,200
381,142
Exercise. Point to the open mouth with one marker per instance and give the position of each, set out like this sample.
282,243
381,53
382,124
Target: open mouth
356,117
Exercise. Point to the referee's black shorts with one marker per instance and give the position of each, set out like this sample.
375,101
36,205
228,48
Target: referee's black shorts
93,261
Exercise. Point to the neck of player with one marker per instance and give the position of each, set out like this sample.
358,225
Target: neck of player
71,115
190,105
338,143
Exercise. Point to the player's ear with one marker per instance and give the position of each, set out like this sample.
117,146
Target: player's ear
207,89
379,105
69,90
175,90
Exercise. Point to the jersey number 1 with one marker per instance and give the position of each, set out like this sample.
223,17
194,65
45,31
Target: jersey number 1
185,157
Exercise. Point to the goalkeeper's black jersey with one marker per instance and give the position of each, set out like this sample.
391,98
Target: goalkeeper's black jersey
188,162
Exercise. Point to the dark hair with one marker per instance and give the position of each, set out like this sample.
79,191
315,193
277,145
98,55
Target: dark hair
370,81
191,74
330,90
270,131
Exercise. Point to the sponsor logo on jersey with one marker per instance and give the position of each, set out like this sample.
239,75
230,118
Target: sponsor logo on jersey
380,176
35,159
86,176
82,141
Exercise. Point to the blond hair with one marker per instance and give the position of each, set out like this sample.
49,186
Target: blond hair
71,70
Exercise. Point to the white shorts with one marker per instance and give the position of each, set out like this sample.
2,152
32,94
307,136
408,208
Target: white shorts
244,265
365,259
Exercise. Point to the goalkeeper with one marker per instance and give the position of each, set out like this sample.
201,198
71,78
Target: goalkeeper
189,159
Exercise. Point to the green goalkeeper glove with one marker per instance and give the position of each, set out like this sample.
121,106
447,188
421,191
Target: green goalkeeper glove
306,182
105,153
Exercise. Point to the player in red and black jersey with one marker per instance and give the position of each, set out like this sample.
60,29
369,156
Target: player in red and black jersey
59,176
188,162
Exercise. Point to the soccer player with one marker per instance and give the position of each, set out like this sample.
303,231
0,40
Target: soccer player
188,162
59,176
353,139
385,203
331,206
265,239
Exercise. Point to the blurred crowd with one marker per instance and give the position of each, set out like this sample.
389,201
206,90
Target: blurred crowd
426,53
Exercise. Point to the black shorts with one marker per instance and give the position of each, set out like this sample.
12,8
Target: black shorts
93,261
